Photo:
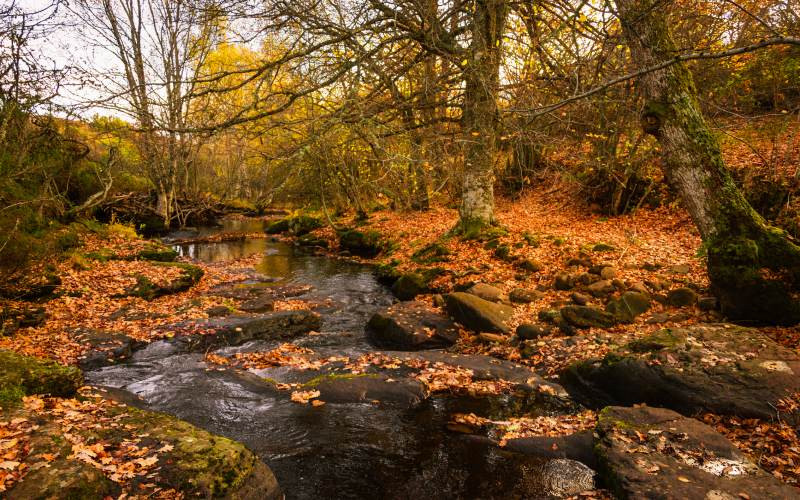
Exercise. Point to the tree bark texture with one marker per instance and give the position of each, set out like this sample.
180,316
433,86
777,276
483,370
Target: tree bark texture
754,268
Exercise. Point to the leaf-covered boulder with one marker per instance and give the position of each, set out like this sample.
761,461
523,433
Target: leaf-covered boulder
647,452
187,459
411,325
189,276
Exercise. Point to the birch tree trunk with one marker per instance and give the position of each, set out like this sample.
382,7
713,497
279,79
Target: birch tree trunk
754,268
480,116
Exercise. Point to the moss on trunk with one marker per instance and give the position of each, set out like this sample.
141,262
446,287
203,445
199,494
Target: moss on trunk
754,268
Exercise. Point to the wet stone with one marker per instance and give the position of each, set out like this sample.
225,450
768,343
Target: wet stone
657,453
411,325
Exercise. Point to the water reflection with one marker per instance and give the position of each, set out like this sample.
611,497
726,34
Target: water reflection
222,250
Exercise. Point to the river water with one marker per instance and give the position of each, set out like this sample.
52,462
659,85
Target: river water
351,450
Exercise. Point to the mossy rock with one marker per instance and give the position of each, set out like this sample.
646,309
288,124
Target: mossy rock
531,239
365,244
409,285
25,375
148,290
298,225
628,306
430,253
587,317
102,255
309,240
387,273
719,368
502,252
191,461
603,247
157,253
278,226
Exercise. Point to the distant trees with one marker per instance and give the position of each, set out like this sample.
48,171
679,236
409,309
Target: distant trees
159,46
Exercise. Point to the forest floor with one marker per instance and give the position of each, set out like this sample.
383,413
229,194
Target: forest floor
547,234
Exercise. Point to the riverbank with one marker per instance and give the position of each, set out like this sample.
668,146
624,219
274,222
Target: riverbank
134,319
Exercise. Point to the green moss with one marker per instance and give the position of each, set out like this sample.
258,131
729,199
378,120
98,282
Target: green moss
366,244
102,255
67,240
477,229
432,252
502,252
531,239
25,375
156,252
603,247
148,290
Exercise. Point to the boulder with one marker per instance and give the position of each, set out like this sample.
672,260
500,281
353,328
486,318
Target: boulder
524,295
22,375
720,368
608,273
680,269
157,252
601,288
217,311
640,288
365,244
190,275
564,281
190,460
576,447
478,314
630,305
529,265
409,285
709,303
656,453
580,298
297,225
258,304
682,297
587,317
411,326
530,331
237,329
104,348
367,388
488,292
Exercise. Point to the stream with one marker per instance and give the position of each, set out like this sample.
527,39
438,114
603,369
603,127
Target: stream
339,450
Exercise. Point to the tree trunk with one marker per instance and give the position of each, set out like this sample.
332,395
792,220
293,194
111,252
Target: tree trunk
480,117
754,268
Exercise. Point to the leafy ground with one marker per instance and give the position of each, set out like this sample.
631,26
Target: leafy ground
546,227
550,228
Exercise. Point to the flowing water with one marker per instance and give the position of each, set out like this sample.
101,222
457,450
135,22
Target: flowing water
361,450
